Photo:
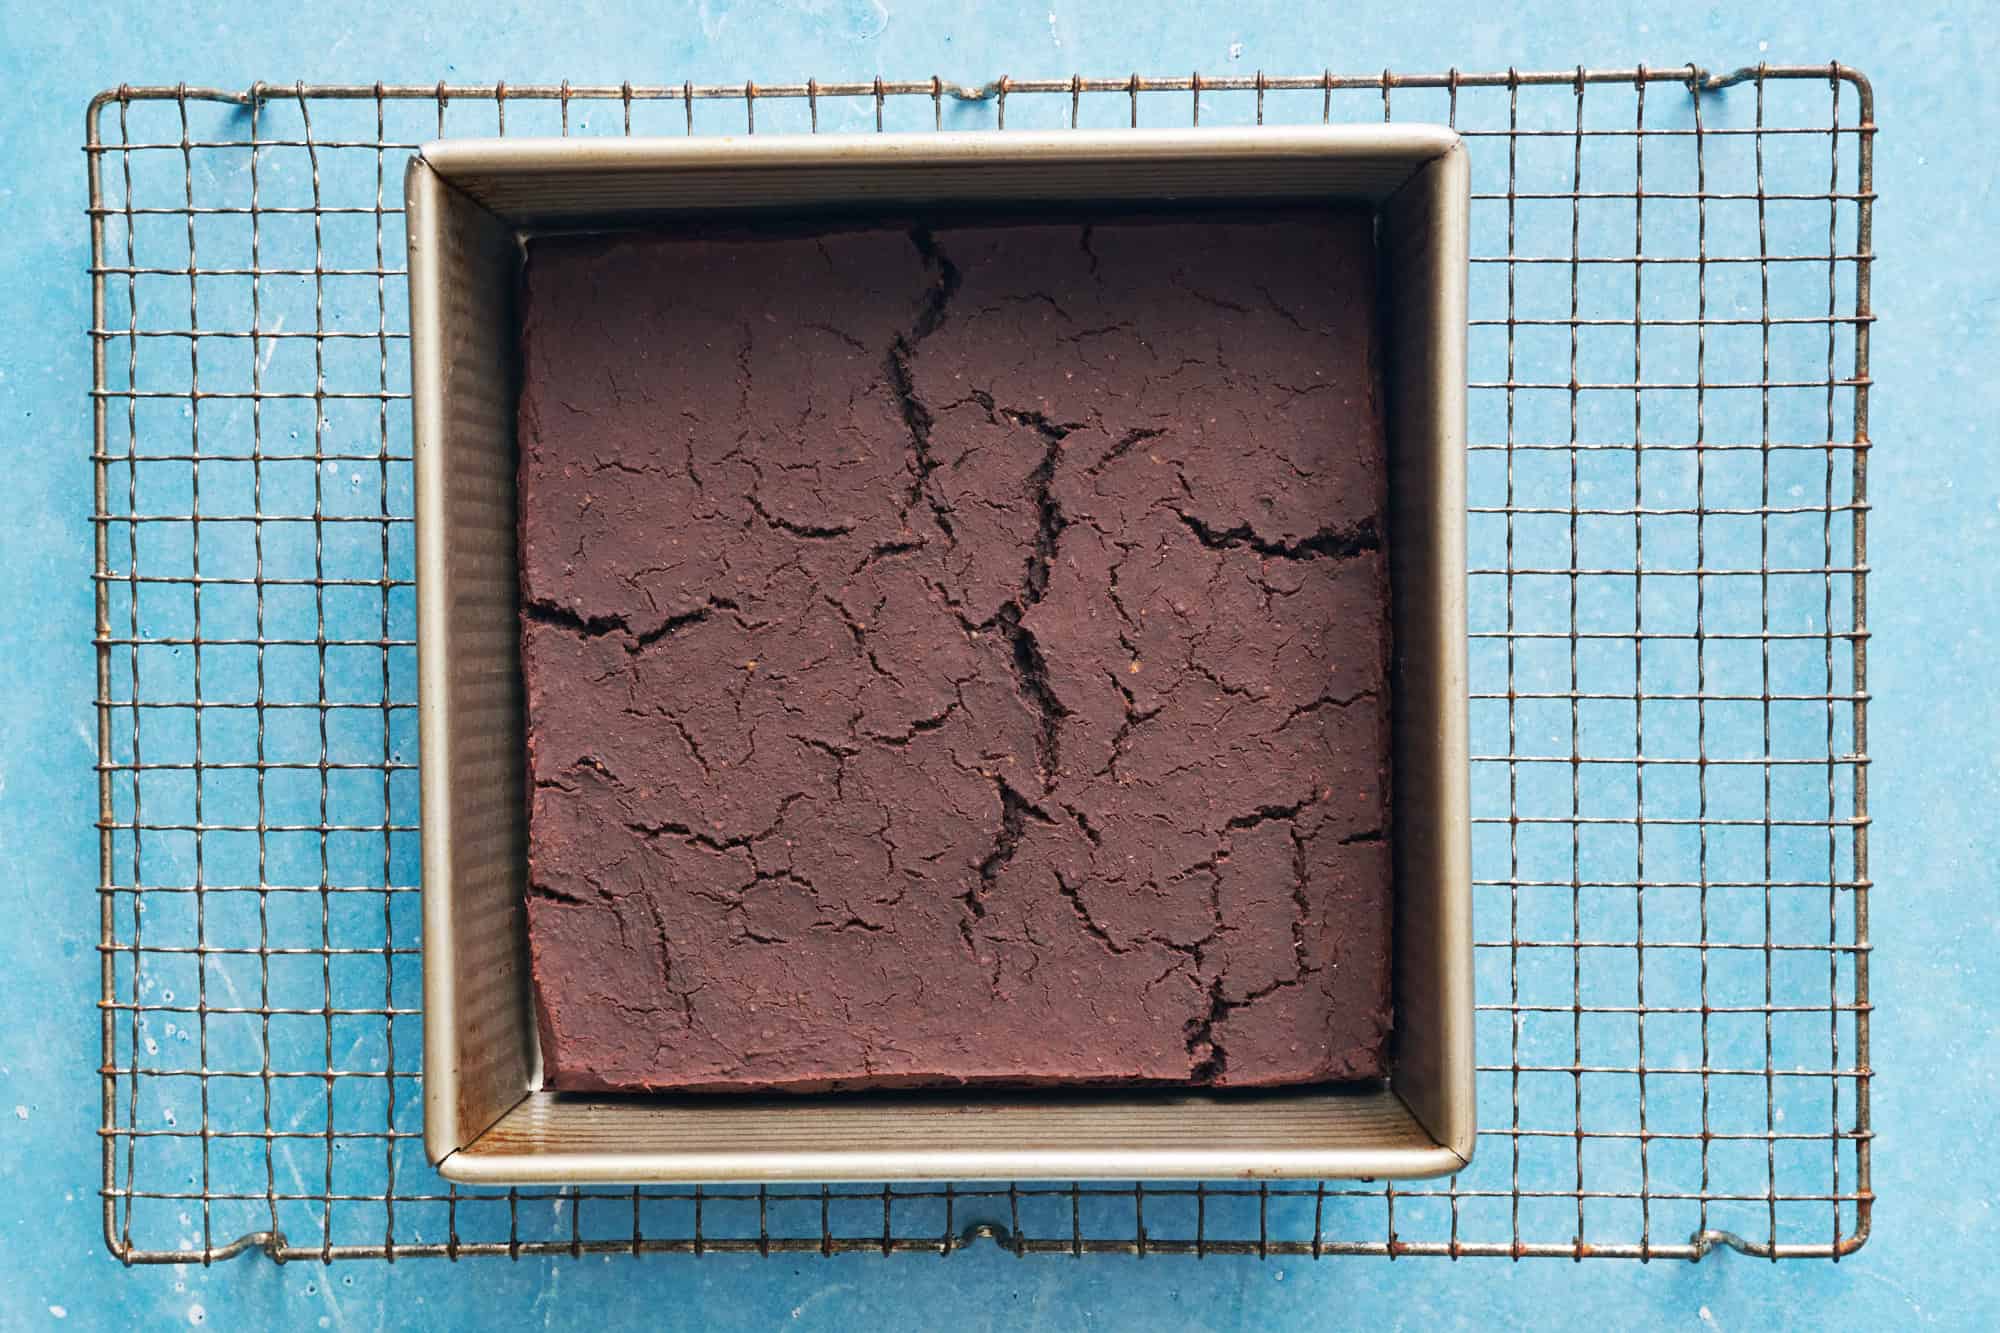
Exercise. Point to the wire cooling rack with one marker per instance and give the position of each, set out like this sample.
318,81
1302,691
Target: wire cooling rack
1669,361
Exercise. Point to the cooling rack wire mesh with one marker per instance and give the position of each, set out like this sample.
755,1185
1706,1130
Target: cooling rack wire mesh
1669,364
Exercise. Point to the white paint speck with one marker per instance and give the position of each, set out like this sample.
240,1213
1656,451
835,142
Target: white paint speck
58,1312
1763,46
197,1315
324,1322
1236,50
20,1113
1707,1316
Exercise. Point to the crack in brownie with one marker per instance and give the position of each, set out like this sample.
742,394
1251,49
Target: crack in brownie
957,656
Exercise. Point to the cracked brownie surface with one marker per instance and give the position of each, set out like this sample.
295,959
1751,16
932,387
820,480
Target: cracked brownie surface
957,655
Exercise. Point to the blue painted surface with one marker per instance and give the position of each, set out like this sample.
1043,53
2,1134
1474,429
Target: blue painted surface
1935,538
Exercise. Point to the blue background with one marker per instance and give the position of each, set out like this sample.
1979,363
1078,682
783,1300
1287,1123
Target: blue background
1935,538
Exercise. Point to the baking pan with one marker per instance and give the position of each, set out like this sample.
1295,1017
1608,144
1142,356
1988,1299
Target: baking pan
487,1118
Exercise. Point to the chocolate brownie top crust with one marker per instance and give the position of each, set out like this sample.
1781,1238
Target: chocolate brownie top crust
957,655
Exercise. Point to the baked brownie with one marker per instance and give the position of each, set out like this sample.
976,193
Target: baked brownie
957,656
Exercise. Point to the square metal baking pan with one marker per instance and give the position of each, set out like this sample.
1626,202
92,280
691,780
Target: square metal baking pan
487,1118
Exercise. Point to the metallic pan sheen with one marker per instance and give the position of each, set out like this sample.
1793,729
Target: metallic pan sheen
487,1119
